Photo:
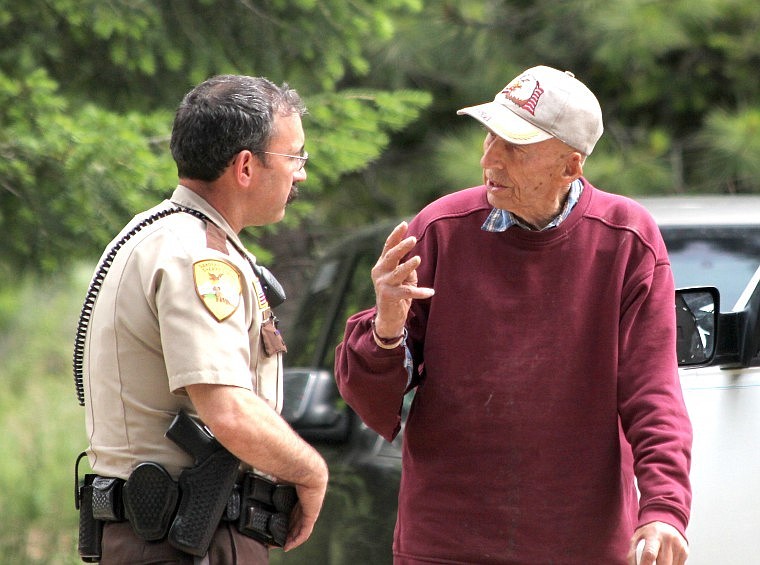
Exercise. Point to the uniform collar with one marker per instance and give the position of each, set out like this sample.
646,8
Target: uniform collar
183,196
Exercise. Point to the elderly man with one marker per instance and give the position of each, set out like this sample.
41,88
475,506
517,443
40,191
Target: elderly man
533,318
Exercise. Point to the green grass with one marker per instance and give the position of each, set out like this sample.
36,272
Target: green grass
41,423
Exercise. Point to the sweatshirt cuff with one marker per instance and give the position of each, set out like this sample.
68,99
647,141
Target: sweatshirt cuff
665,515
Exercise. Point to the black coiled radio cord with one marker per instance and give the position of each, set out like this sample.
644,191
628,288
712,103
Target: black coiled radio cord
94,290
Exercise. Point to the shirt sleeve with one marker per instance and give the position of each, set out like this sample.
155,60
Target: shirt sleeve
371,379
199,347
651,404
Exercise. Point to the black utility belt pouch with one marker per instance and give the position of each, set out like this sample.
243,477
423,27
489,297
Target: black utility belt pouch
97,500
264,509
106,499
150,501
90,529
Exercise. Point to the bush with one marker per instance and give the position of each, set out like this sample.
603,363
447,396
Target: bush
42,424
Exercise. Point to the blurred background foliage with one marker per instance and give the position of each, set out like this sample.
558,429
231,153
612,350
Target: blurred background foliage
87,94
88,89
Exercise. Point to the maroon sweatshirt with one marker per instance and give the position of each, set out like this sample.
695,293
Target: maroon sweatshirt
545,376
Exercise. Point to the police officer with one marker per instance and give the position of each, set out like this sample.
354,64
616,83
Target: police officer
183,322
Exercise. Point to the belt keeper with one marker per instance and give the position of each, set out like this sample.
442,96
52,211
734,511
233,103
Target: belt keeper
387,342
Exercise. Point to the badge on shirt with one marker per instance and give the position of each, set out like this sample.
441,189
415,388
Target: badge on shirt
218,285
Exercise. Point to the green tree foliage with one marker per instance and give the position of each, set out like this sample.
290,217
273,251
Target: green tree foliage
41,422
666,73
680,66
69,175
89,87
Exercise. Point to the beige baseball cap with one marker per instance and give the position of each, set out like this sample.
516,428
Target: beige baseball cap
540,104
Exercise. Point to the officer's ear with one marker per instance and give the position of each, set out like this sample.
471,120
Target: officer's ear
244,166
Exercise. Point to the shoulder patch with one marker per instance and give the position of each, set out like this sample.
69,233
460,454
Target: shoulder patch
217,283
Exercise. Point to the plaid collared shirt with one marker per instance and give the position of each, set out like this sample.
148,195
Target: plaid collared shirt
500,220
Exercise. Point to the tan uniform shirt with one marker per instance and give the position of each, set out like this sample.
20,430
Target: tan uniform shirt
172,312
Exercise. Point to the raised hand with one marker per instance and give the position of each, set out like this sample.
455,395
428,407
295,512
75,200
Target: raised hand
395,283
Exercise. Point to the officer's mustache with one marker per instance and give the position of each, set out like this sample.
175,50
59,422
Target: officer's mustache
293,193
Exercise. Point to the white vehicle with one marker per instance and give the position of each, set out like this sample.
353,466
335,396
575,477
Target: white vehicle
713,243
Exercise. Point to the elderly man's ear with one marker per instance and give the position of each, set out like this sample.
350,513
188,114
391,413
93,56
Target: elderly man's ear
574,165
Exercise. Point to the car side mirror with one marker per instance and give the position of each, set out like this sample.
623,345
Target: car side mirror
697,312
313,406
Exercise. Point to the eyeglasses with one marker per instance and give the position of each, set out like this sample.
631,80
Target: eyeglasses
300,158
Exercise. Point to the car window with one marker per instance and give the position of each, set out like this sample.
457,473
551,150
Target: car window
316,312
724,257
310,347
360,295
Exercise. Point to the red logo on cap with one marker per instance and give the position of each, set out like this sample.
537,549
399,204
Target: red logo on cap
525,92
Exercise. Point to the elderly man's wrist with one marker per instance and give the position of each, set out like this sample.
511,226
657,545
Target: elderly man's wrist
387,342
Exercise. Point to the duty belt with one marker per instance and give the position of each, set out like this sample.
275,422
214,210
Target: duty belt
259,507
150,499
186,512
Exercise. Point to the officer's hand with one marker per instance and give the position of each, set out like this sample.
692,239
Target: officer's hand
305,514
395,283
663,544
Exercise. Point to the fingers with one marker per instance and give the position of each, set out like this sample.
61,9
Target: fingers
299,532
394,279
399,284
305,514
643,551
301,527
658,543
403,273
395,282
395,237
648,552
395,248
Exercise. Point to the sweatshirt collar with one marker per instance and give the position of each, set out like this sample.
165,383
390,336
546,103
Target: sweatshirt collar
499,220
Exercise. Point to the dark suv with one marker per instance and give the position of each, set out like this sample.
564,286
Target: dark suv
712,242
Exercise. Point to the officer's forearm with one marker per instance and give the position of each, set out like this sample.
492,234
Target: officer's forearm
251,430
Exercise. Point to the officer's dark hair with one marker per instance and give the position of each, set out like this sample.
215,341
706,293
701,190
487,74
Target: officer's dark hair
224,115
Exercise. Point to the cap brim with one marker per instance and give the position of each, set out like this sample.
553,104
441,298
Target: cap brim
505,123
